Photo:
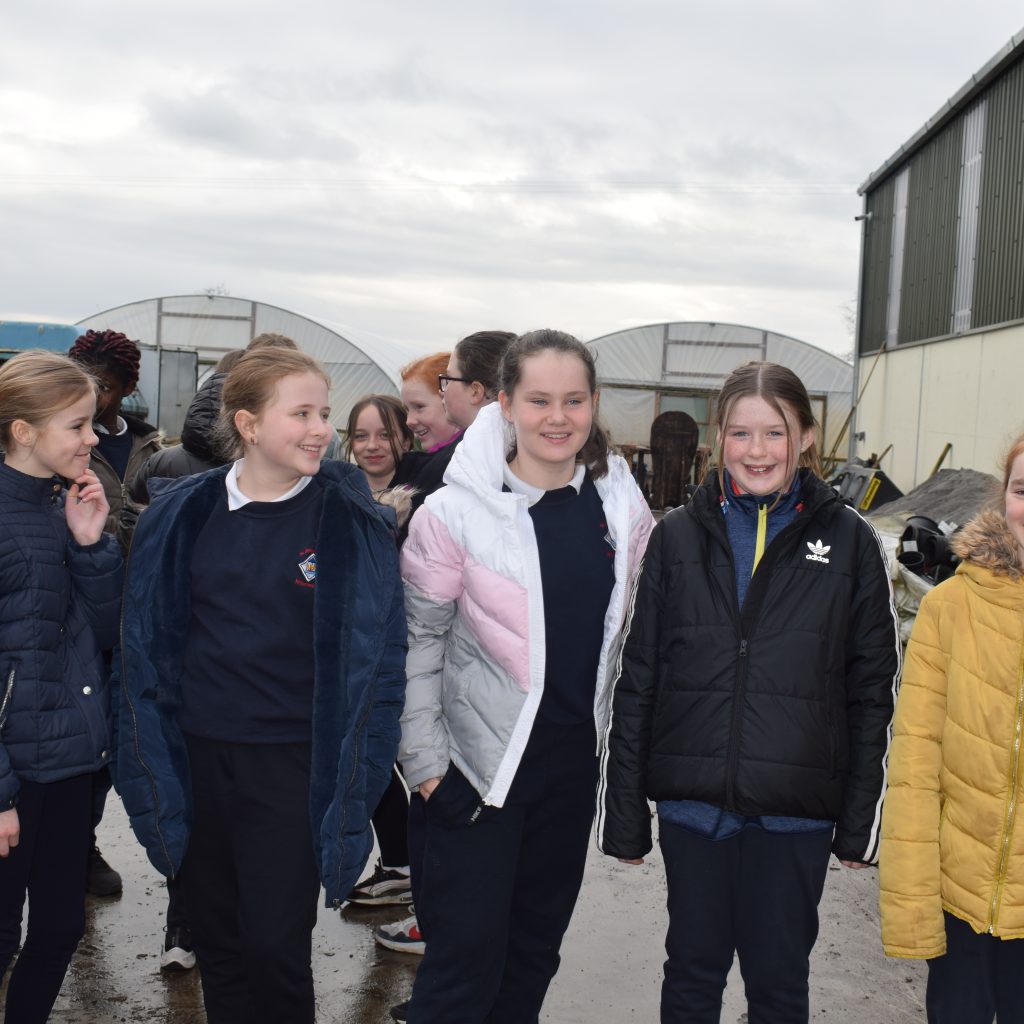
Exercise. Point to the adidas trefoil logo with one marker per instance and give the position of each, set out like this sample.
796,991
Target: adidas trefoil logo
818,551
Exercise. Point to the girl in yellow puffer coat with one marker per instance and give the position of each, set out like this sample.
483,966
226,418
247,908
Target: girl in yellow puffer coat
952,854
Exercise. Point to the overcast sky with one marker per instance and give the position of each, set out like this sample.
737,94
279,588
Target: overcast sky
422,169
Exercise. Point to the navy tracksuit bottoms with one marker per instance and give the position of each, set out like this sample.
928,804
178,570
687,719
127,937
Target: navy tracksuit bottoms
754,894
500,884
978,979
251,881
49,864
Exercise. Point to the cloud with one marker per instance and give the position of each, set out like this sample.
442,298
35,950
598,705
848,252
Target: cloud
219,119
420,170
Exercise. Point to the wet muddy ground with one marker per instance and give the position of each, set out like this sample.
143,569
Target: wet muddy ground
611,958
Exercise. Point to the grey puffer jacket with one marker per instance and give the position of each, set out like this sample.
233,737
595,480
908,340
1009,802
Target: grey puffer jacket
474,602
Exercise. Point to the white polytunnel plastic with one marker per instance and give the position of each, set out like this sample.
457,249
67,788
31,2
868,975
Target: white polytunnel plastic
649,370
358,362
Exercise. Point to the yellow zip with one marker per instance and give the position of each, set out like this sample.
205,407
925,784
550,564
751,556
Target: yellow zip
1011,804
762,532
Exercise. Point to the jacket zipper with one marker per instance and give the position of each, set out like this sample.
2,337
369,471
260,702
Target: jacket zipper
8,693
747,618
762,533
1011,805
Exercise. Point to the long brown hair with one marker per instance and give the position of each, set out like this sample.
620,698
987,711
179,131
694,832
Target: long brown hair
784,391
594,452
392,414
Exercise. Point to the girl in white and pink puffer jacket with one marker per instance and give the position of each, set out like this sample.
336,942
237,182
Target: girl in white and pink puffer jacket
518,579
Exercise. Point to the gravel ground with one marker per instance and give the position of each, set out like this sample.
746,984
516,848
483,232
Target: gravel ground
611,958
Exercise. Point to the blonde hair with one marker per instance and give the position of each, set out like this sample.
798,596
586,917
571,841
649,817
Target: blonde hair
250,386
36,385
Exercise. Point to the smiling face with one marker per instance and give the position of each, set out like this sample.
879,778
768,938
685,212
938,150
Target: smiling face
426,419
291,432
1014,503
760,448
552,411
371,443
61,446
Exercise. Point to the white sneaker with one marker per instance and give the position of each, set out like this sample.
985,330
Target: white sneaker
405,936
177,954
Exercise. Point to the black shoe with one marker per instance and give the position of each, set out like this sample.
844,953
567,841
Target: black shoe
385,885
400,1012
102,879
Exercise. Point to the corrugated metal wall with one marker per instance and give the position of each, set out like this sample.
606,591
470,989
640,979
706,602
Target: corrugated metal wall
999,280
875,271
930,253
948,283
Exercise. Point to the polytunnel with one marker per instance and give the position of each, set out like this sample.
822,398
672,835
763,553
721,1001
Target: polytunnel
357,361
680,367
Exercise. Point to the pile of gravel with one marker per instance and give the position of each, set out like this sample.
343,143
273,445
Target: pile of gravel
953,495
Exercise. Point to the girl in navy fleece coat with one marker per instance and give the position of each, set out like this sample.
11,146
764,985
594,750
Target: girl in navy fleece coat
260,682
60,588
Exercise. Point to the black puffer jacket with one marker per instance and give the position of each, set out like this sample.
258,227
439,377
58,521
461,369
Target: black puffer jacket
197,451
782,709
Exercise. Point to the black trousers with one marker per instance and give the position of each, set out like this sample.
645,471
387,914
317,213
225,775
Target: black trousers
755,894
251,881
977,981
100,788
49,864
417,843
177,915
500,885
390,823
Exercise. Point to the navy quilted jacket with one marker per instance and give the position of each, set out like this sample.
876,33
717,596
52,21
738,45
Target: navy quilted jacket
359,682
59,607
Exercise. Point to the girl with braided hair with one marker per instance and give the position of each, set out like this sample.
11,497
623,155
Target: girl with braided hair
124,447
125,442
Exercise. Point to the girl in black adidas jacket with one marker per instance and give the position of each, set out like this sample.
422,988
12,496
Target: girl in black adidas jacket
753,705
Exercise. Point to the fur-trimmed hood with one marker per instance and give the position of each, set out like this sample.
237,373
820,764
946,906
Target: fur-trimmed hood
986,541
400,500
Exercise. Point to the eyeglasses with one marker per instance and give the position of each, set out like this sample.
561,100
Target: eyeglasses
443,380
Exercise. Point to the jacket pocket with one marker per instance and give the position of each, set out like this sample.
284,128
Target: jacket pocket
5,704
830,723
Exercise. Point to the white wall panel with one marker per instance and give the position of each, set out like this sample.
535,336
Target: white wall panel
964,391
